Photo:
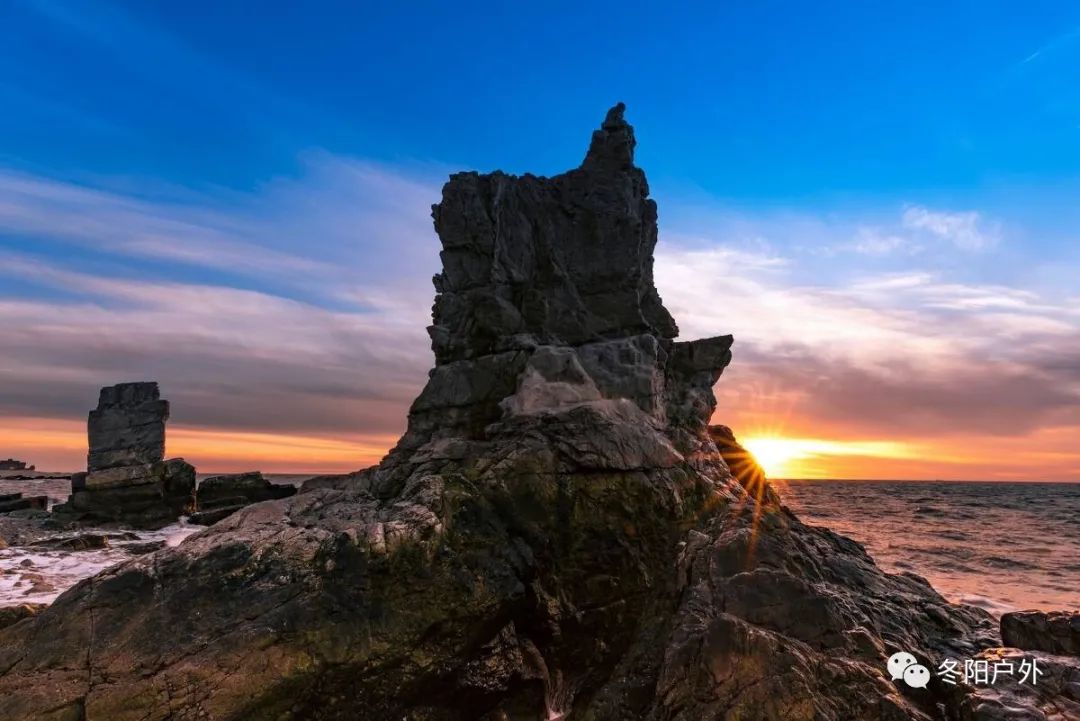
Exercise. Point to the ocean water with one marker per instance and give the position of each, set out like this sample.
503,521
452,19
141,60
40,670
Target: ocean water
1001,546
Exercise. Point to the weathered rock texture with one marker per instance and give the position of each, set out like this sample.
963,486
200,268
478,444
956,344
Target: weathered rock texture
127,478
17,502
128,427
239,488
1038,631
557,535
218,497
10,615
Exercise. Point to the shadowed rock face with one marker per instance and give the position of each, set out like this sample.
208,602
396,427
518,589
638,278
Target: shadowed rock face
556,535
220,496
1057,633
536,261
128,426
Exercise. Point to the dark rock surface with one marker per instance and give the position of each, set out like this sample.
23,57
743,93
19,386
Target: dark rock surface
141,549
83,541
237,489
128,426
17,502
127,481
212,516
1057,632
1055,696
335,481
556,536
10,615
142,496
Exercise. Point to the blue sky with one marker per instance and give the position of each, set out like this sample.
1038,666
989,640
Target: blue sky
232,184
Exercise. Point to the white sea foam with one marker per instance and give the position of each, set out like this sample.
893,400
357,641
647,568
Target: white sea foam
34,575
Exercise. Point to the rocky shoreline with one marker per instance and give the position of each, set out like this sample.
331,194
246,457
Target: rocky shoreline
560,534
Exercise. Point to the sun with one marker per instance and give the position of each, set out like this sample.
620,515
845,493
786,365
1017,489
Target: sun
775,455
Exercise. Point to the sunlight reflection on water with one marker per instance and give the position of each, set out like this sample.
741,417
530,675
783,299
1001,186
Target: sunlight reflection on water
1001,546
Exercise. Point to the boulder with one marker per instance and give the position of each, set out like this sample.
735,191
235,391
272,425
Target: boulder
142,501
239,489
141,549
17,502
340,481
1053,632
556,535
10,615
83,542
210,517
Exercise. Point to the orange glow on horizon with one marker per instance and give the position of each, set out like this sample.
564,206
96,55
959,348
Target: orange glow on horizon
1048,454
808,457
60,445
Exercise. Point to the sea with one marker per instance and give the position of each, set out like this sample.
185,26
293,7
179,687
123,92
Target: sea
1000,546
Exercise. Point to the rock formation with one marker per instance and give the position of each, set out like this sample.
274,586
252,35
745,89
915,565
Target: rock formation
556,536
1057,633
127,478
220,496
16,502
10,615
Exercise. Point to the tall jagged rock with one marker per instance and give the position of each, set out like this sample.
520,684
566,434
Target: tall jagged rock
556,536
546,301
127,479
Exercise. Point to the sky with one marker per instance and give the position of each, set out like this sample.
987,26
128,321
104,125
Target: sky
877,199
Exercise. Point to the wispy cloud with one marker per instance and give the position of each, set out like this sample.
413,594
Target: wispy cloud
298,309
302,311
909,354
966,230
316,230
1053,45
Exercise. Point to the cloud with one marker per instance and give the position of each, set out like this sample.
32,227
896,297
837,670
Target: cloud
297,310
887,354
965,230
875,241
325,223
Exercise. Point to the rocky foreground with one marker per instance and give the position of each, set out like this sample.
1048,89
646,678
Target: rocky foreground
557,535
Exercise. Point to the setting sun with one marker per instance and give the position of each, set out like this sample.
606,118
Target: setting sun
804,457
774,455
